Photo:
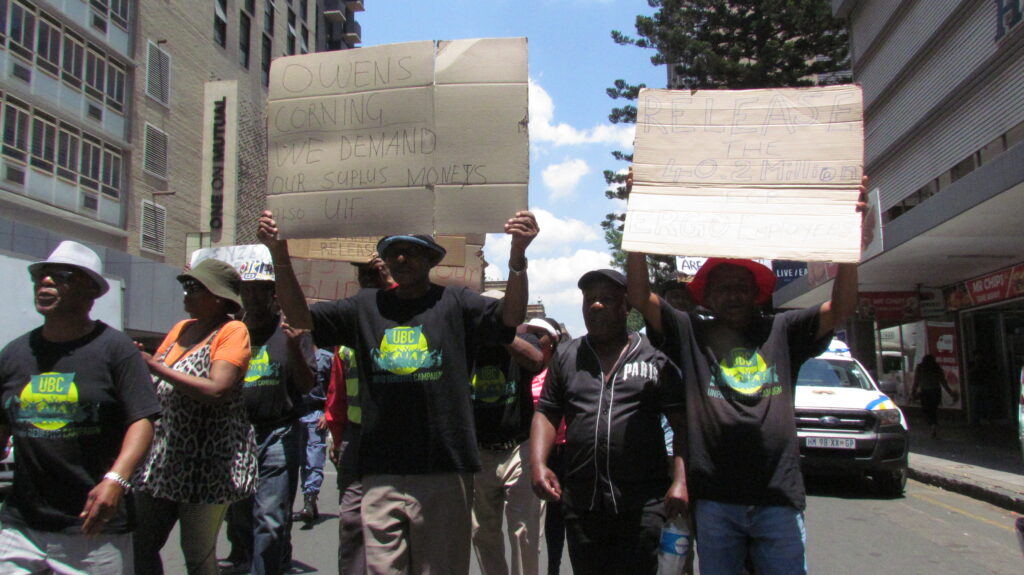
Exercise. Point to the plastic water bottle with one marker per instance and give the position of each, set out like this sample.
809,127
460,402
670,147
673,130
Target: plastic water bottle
675,542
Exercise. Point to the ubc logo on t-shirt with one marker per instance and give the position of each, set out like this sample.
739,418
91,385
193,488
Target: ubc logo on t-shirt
745,372
48,403
262,372
489,385
404,350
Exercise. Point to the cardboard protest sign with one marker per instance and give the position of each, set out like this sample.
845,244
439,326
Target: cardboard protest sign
253,261
771,174
421,137
359,250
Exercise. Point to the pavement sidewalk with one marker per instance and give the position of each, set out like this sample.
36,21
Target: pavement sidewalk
983,462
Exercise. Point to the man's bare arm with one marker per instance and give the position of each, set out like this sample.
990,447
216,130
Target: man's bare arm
289,292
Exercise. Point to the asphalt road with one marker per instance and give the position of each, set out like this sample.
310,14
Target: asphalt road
928,531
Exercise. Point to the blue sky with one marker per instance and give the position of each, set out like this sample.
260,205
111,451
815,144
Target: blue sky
573,60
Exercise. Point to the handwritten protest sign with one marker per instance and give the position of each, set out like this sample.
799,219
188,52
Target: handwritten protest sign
771,174
252,261
359,250
421,137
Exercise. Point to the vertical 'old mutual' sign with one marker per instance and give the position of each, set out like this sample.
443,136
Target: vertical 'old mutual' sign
421,137
769,174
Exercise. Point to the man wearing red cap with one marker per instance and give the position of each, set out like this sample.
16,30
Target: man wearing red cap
744,476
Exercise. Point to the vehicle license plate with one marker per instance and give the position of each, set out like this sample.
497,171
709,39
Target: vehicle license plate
832,442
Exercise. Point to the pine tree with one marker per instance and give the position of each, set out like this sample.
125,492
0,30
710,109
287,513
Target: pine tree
726,44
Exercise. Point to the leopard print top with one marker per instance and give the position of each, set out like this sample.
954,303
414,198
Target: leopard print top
201,453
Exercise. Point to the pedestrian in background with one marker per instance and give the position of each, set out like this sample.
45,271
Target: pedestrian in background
204,453
502,410
78,399
344,416
280,372
929,381
313,437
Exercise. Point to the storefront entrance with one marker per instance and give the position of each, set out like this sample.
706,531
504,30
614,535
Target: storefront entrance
993,354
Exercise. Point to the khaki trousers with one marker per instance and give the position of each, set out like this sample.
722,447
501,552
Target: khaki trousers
502,492
417,524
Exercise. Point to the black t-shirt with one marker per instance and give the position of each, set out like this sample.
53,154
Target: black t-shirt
502,394
414,359
742,441
615,446
68,405
271,396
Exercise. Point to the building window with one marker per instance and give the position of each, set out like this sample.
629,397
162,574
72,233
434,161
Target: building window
95,73
68,142
960,170
48,46
265,61
119,12
154,160
158,74
16,119
154,217
244,32
90,166
268,17
23,30
291,32
72,60
249,7
115,85
111,172
304,40
220,22
304,9
44,141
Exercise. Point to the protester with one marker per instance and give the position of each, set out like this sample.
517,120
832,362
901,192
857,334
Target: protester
418,448
79,403
740,368
313,436
554,525
281,370
611,386
204,454
344,417
929,381
503,409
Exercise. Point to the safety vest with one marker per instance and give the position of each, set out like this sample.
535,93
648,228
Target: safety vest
348,360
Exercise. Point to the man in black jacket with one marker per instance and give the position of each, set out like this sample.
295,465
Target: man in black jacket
611,386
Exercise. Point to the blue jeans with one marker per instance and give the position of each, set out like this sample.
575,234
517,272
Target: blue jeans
776,537
259,528
315,442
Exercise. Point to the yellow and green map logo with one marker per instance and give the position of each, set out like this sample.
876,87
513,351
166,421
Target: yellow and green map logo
489,384
746,372
404,350
50,401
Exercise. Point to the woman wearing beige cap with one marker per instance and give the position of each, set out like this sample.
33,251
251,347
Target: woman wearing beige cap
203,454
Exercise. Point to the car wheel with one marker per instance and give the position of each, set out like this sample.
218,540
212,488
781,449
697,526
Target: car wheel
891,483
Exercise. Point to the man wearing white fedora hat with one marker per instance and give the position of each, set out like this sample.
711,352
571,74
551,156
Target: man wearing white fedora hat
79,402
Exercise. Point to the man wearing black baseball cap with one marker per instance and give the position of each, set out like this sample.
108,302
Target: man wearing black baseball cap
611,387
418,451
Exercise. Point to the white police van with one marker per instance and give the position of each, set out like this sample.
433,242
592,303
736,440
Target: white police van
846,425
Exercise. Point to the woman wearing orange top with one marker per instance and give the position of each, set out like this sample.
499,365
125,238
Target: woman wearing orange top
203,454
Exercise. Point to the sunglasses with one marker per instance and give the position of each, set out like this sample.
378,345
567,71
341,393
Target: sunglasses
192,286
61,276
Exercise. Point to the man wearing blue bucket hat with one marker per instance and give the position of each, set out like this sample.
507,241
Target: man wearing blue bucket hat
414,345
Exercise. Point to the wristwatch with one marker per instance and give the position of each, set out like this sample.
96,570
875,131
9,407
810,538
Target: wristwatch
520,271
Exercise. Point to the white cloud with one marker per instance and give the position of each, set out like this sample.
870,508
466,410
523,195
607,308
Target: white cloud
558,237
562,179
564,250
544,130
